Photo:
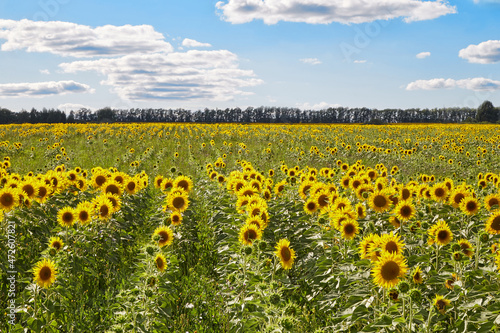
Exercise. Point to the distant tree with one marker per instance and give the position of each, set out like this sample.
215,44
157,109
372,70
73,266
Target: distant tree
105,115
487,112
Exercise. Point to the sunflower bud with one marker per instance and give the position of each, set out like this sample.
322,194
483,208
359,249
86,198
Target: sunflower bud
484,237
457,256
455,247
262,245
403,287
275,299
415,295
247,250
151,250
52,252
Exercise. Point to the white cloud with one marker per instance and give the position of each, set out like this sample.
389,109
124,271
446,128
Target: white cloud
73,106
213,75
328,11
477,84
423,55
317,106
75,40
484,53
41,89
193,43
311,61
44,71
359,61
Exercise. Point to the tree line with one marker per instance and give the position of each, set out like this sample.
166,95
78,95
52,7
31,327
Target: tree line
485,113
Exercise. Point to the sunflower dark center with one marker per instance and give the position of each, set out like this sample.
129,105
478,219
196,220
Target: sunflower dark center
416,276
104,210
67,217
391,247
29,189
99,180
493,201
159,262
390,270
405,194
471,206
248,192
341,205
495,224
164,236
439,192
349,229
443,235
355,184
131,186
458,197
175,218
7,199
83,215
45,273
112,188
405,211
441,305
178,202
311,206
285,253
56,245
379,201
42,191
251,234
184,184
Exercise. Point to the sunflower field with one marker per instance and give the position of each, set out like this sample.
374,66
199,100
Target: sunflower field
249,228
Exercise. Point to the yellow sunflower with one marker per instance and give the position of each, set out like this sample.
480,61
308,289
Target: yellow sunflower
115,201
456,196
99,178
379,201
176,218
389,268
113,187
178,201
167,184
103,208
466,247
404,210
249,233
184,182
360,210
56,243
257,221
492,201
132,185
493,223
364,245
441,303
45,273
66,216
158,180
160,262
443,235
391,243
9,198
84,212
350,228
439,192
469,206
285,253
166,236
310,206
417,275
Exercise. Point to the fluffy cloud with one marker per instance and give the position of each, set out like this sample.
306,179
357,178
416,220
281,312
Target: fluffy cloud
73,106
174,76
41,89
317,106
311,61
423,55
484,53
193,43
328,11
360,61
477,84
75,40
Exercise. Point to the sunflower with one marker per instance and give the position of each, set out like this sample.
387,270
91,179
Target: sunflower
166,236
394,295
257,221
246,190
113,187
166,184
394,221
99,178
379,201
285,253
84,212
178,201
310,206
466,247
304,189
456,196
441,303
404,210
469,206
45,273
350,228
417,275
158,180
66,216
176,218
439,192
366,242
160,262
492,201
184,182
389,269
132,185
9,198
115,201
56,243
443,234
44,192
391,243
493,223
341,203
360,210
249,233
30,188
103,208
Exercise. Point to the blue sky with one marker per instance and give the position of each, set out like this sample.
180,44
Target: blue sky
296,53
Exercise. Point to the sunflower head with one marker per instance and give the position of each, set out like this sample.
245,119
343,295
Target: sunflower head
176,218
349,229
389,269
160,262
56,243
441,303
166,236
66,216
469,205
379,201
249,233
285,253
417,275
493,223
45,273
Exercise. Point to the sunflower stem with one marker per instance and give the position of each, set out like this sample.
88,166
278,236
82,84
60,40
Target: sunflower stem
410,315
478,248
429,317
437,257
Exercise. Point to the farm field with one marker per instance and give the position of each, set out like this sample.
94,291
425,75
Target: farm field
244,228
